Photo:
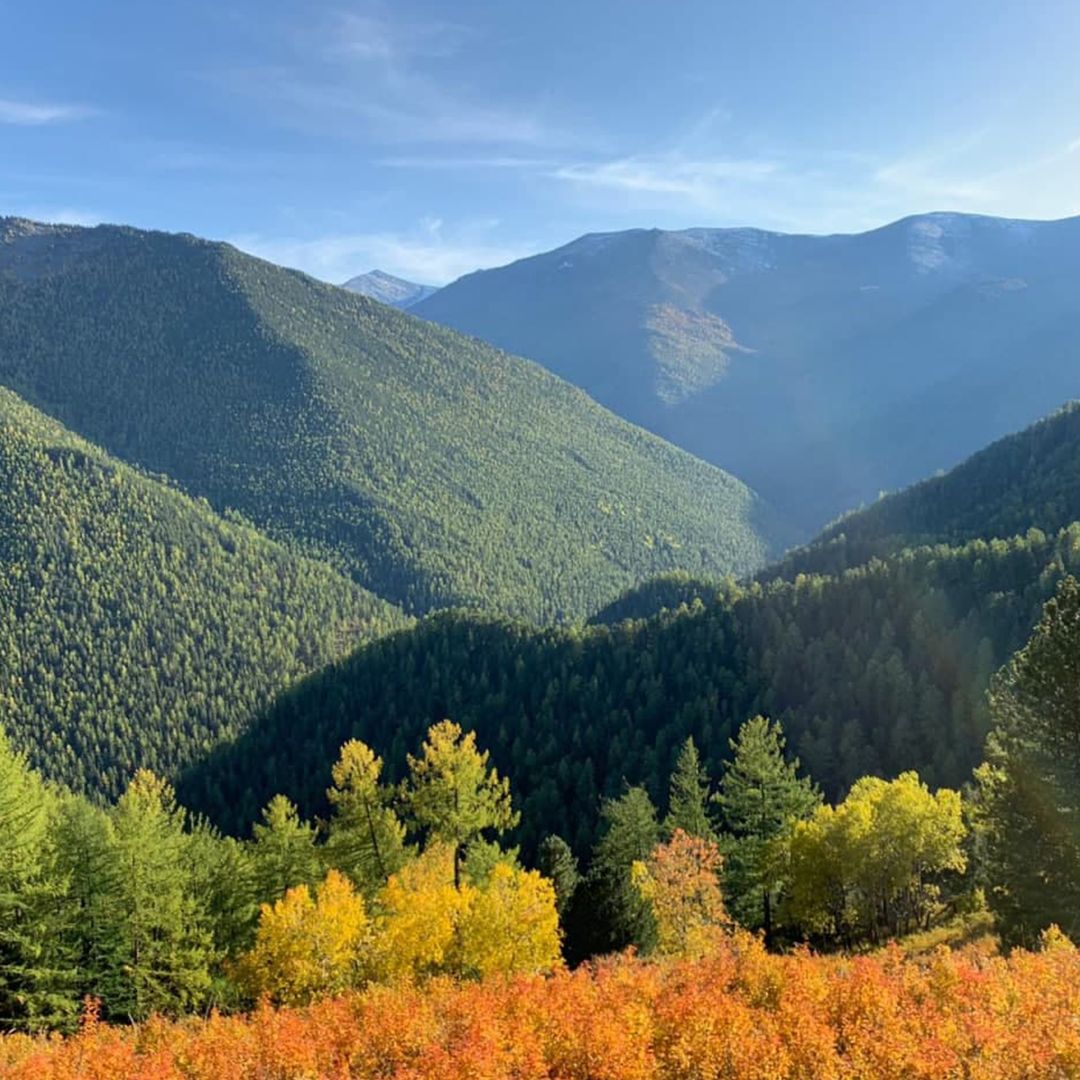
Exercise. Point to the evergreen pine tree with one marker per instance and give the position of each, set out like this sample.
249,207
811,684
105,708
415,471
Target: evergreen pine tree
760,794
453,794
83,853
162,947
632,834
222,874
557,862
36,979
1029,788
367,841
689,796
283,854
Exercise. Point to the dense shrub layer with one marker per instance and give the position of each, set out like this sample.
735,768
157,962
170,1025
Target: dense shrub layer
740,1013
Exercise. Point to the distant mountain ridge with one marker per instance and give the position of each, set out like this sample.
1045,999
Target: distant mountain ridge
387,289
432,469
821,369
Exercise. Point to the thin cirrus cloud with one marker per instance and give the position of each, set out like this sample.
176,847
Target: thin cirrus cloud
666,176
372,77
1046,183
37,114
372,37
427,254
840,192
465,163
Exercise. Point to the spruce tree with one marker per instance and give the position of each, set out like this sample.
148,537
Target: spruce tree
557,863
84,855
632,834
1029,788
162,946
760,794
36,979
223,875
688,796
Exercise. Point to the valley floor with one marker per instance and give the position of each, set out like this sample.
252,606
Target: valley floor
738,1013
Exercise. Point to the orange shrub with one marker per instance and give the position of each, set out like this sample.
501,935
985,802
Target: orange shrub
738,1013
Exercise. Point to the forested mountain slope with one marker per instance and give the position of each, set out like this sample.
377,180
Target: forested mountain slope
879,670
820,369
433,469
137,628
1030,480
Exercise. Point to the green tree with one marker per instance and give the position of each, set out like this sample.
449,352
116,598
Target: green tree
162,946
760,795
558,863
36,981
366,841
688,796
453,794
84,857
222,874
283,852
1029,787
631,835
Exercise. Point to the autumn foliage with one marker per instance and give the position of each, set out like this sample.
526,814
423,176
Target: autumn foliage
679,881
737,1013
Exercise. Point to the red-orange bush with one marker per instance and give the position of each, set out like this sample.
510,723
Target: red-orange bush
738,1013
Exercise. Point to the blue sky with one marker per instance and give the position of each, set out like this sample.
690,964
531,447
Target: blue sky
430,139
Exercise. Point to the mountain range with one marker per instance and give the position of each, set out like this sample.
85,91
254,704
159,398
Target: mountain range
238,503
822,370
430,468
387,289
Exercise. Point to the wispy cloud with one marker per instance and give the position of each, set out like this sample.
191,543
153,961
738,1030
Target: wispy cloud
825,192
371,36
36,114
700,180
430,253
383,77
464,163
968,177
925,185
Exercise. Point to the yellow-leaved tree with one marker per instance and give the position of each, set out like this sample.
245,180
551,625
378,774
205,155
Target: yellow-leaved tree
873,866
510,925
425,926
418,911
306,945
